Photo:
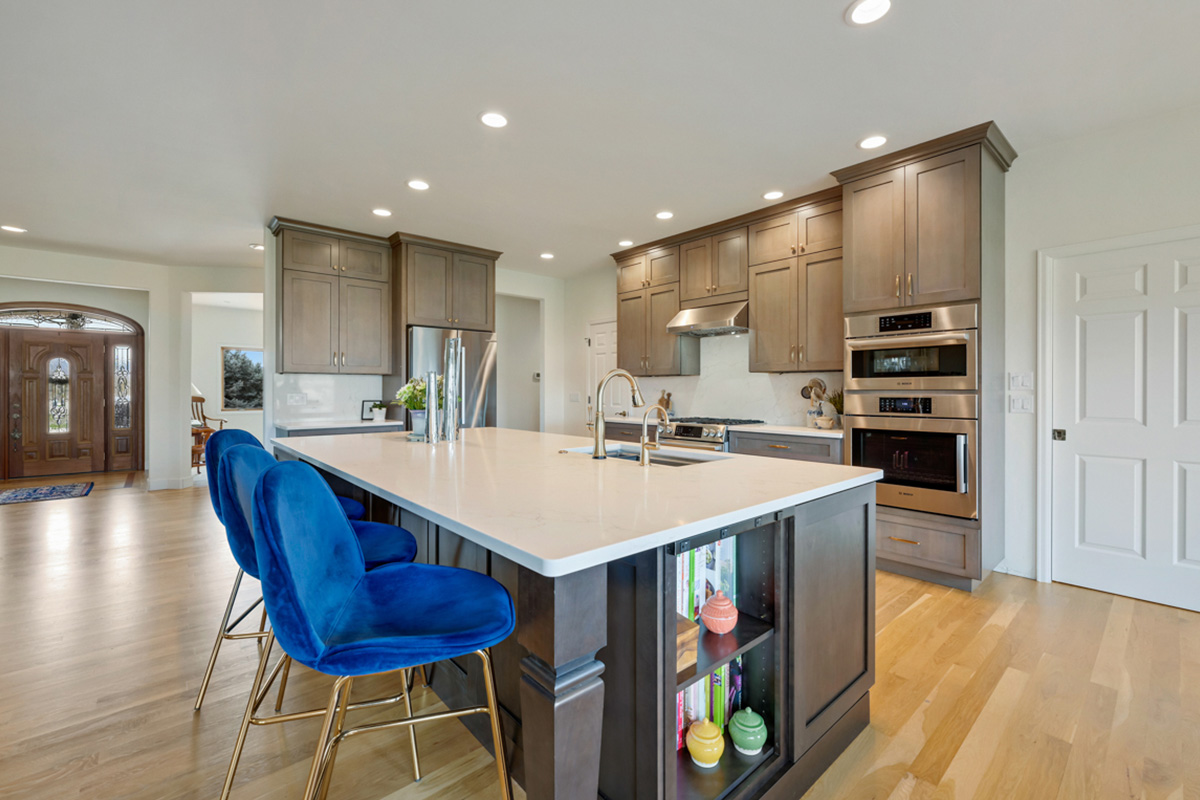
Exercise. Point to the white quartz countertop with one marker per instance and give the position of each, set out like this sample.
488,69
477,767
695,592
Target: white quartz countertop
516,494
789,430
320,424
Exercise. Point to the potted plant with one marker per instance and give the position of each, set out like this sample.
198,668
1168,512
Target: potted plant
379,411
412,397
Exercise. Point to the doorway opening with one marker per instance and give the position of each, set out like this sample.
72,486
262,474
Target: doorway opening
73,376
519,356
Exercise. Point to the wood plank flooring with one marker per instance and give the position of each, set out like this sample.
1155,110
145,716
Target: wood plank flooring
109,604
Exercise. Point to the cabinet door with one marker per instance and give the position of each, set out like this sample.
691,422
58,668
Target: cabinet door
662,348
364,327
774,239
821,330
310,252
631,274
942,250
662,266
833,597
695,269
730,260
309,320
773,317
367,261
429,273
874,242
821,228
631,332
474,293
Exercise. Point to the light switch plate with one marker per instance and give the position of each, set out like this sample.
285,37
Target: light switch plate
1020,380
1020,404
297,399
574,397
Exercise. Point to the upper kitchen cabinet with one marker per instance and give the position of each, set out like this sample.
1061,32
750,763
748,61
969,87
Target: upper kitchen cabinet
662,266
364,326
631,274
796,314
371,262
447,289
809,229
643,345
923,224
713,267
308,322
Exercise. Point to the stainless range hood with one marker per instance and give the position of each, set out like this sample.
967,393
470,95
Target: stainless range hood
711,320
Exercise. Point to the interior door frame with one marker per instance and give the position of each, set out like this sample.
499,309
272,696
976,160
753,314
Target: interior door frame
139,364
1048,262
592,381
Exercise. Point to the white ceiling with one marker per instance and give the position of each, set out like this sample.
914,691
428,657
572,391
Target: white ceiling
247,301
171,132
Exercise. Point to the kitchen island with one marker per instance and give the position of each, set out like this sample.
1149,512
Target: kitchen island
591,551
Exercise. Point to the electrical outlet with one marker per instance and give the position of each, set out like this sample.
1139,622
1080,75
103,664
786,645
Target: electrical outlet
297,399
574,397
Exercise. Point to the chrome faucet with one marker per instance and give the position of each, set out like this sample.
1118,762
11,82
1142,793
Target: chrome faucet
647,445
598,445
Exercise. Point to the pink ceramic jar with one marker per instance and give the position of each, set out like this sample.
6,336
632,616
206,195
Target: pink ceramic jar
719,614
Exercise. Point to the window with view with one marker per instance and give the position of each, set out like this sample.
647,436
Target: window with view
241,379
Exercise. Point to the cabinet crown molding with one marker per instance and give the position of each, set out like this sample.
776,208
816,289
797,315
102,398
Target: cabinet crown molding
987,134
278,224
398,238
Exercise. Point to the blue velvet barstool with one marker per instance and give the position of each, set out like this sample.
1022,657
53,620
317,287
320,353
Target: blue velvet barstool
384,543
334,616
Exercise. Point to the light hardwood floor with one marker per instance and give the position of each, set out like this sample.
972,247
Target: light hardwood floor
109,603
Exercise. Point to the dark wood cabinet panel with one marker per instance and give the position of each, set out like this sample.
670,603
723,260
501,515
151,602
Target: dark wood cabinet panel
309,322
631,332
473,295
429,273
820,307
874,242
774,239
730,262
662,348
364,327
773,317
821,228
366,261
695,269
631,274
310,252
662,266
942,234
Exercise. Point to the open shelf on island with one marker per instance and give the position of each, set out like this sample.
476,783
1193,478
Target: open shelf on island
714,651
716,782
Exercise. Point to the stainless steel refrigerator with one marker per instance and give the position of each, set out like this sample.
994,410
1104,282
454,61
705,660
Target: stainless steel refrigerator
426,352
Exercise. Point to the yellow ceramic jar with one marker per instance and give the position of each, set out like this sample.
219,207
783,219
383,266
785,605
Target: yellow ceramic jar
705,743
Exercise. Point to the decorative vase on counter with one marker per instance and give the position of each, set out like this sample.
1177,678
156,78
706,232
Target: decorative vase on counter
748,731
418,422
719,614
379,414
705,744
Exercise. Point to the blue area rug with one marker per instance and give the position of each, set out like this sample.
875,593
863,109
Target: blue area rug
35,493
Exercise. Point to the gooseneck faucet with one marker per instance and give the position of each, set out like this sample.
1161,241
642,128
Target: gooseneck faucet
647,445
638,402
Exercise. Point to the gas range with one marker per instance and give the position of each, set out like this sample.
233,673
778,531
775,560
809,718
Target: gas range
709,433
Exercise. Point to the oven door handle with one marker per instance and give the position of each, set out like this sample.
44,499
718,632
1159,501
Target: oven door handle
687,445
923,340
963,487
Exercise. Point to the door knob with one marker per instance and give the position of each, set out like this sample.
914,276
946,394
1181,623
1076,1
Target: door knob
16,434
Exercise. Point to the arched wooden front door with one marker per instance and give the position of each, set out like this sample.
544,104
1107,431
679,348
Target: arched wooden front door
73,381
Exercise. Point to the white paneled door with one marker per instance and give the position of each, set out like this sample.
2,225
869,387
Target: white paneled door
1126,397
602,357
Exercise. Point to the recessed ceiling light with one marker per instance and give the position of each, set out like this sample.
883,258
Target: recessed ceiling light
255,246
419,185
864,12
624,243
547,256
381,212
772,195
12,229
664,215
872,142
493,120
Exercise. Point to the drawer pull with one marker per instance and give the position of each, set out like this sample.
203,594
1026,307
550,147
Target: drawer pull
906,541
780,446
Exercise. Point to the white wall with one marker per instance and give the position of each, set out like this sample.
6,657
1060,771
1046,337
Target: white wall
590,297
168,331
519,354
1139,177
549,291
214,327
131,303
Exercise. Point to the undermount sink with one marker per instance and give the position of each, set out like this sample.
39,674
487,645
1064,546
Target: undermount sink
666,457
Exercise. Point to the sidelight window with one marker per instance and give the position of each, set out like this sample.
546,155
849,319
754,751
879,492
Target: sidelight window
58,381
122,383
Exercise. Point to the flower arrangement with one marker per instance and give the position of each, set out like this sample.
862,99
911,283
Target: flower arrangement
412,394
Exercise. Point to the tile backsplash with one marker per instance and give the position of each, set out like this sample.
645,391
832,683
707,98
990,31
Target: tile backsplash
725,386
325,396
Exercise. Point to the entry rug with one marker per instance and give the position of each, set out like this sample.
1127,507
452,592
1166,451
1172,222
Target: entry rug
35,493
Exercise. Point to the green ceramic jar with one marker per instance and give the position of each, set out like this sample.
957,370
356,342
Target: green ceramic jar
748,731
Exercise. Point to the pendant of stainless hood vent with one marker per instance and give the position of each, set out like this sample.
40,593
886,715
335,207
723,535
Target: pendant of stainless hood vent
719,320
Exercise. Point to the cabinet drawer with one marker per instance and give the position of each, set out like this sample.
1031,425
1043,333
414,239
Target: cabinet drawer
622,432
944,551
798,448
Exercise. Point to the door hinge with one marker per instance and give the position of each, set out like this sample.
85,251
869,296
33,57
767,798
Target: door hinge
588,339
1059,435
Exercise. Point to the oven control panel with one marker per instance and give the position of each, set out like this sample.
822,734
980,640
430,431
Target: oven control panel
906,322
906,405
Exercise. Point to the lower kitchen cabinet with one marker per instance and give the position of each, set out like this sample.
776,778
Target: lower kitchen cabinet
629,431
796,314
825,449
643,345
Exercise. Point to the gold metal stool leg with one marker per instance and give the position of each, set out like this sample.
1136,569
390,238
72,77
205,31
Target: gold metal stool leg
287,667
489,682
412,729
212,659
250,706
340,691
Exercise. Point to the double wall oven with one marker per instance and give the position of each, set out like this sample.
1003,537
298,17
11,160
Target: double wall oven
912,407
